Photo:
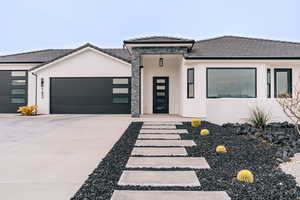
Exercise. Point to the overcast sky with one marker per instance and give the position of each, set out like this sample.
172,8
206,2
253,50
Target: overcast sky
39,24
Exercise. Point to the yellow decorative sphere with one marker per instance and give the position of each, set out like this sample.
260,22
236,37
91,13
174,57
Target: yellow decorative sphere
245,176
221,148
204,132
196,122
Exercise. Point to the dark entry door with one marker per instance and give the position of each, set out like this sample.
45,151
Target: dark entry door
160,94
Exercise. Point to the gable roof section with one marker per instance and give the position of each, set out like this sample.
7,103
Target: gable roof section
158,39
116,53
233,47
34,56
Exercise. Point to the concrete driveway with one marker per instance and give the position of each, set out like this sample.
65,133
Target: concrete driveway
49,157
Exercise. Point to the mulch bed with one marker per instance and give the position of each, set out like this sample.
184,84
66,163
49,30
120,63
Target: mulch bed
244,152
103,180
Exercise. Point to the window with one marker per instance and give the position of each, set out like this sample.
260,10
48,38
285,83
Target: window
283,82
18,91
18,100
268,83
120,90
190,83
18,73
120,81
120,100
18,82
231,82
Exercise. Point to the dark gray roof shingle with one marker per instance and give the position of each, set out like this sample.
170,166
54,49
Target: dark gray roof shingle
242,47
228,47
157,39
34,56
47,55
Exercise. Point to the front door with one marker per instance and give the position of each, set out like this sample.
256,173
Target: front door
160,94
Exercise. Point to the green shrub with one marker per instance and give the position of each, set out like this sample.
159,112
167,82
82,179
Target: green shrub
259,117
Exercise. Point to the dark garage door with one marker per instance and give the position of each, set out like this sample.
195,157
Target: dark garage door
90,95
13,90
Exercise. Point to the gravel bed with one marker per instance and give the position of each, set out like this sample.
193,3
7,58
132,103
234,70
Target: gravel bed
244,152
103,180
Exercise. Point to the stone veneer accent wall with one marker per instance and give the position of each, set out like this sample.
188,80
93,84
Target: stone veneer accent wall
137,52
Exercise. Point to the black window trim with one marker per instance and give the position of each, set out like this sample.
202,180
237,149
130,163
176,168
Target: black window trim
289,79
269,83
188,83
208,68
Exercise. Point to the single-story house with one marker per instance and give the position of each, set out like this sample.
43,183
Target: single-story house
217,79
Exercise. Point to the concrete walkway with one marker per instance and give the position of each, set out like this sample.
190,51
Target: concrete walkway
293,167
146,170
49,157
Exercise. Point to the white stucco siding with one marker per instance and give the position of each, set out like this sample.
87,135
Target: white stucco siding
85,63
223,110
171,69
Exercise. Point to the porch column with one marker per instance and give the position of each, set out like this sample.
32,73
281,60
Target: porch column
135,84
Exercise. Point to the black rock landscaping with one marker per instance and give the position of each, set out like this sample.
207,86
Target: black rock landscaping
282,135
244,152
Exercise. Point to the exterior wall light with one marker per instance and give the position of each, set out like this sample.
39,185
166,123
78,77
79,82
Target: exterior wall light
161,62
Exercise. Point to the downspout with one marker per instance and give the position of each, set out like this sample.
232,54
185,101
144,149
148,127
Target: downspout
36,82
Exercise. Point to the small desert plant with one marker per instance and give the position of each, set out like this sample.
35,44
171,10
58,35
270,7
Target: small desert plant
221,149
196,122
291,107
245,176
27,110
259,117
204,132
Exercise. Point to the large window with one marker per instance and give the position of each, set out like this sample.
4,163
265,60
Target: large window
231,82
283,82
190,83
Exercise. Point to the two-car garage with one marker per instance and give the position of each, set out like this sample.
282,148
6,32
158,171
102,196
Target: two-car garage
90,95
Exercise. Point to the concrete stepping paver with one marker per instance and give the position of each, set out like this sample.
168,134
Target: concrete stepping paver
160,136
178,131
162,123
167,162
161,143
169,195
149,151
158,127
159,178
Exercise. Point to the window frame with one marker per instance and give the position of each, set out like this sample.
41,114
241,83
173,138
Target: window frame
289,79
190,83
255,87
269,83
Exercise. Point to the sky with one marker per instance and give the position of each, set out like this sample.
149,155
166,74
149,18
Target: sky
28,25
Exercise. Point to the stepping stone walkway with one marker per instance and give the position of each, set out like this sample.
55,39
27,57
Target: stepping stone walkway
169,131
159,159
168,143
148,151
158,127
160,136
169,195
167,162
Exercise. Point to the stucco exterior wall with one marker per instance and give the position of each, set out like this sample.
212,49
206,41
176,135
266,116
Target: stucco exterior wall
85,63
223,110
171,69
